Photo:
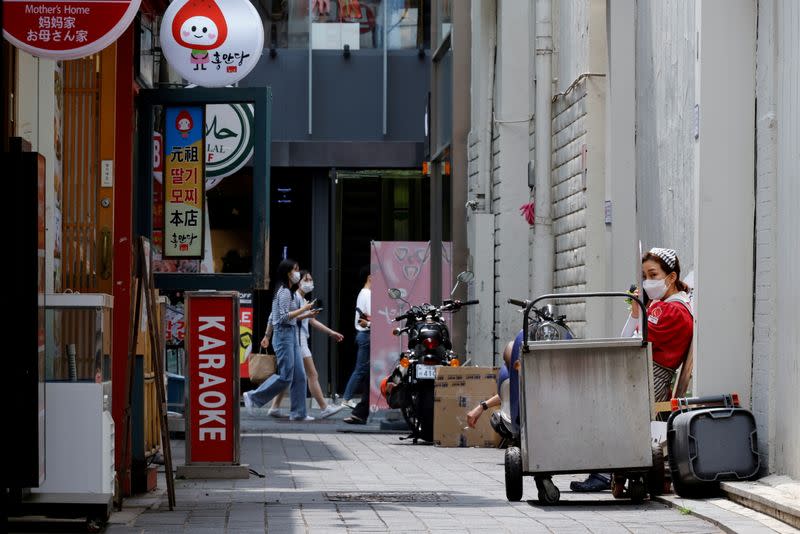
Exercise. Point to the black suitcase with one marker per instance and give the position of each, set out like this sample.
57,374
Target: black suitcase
709,440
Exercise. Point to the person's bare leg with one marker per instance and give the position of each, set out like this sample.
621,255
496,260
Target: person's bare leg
313,382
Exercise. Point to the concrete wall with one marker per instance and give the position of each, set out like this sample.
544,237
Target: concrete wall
571,41
665,55
479,220
776,344
724,196
510,149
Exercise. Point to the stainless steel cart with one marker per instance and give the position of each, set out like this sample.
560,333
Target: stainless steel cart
585,407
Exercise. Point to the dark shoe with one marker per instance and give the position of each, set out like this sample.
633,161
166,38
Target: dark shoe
354,420
593,482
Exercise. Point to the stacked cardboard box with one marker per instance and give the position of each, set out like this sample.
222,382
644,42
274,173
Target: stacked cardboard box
457,391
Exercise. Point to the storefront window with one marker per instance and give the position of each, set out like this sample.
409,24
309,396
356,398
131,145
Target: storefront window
336,23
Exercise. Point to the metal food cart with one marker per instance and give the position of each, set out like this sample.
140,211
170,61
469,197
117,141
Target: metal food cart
585,407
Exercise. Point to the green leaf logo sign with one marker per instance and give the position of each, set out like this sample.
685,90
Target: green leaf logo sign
229,140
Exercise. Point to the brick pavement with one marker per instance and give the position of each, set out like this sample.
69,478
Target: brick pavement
321,480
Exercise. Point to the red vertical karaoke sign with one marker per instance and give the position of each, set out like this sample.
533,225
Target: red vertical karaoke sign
213,379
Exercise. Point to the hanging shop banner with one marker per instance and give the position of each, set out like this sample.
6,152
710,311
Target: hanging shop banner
63,29
212,43
406,266
229,140
212,348
184,193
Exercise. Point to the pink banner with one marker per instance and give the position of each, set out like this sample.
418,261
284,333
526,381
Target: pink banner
406,266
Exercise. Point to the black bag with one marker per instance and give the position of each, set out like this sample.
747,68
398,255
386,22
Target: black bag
709,440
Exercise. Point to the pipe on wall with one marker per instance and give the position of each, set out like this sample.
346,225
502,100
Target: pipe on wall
543,239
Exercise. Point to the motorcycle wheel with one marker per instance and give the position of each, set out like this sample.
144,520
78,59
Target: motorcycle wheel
424,410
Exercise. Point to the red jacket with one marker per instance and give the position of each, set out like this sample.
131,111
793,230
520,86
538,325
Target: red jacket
669,328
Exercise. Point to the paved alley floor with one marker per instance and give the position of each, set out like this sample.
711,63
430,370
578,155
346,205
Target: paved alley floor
319,479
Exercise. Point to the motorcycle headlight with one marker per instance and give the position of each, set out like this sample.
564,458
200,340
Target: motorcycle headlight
547,332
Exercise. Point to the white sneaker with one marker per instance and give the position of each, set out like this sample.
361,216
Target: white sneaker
350,403
248,402
306,418
276,412
330,410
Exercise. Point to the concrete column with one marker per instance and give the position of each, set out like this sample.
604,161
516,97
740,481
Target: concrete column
510,189
597,264
479,221
724,196
461,38
621,231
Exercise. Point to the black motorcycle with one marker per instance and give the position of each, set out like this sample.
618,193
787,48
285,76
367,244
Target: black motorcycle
410,385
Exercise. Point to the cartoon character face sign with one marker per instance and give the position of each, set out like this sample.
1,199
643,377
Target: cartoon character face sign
184,123
199,32
200,26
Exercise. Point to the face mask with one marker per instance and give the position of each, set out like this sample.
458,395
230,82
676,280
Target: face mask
295,277
307,287
655,289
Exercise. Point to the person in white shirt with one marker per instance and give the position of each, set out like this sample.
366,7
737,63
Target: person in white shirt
360,373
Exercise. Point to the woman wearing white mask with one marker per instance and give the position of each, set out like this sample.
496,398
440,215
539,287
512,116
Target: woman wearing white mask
670,325
302,294
670,328
286,313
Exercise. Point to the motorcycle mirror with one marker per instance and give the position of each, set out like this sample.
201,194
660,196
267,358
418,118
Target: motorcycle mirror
395,293
396,332
465,277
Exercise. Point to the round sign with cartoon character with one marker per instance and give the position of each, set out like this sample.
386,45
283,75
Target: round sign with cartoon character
212,43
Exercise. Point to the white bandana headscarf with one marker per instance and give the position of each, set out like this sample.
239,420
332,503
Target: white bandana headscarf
667,254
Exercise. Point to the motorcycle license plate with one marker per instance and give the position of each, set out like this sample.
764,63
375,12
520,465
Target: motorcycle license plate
426,371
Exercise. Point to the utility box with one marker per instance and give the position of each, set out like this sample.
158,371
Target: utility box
458,390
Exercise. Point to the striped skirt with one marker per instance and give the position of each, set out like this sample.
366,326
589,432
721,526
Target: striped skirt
662,382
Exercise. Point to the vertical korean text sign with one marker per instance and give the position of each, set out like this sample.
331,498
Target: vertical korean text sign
212,397
184,182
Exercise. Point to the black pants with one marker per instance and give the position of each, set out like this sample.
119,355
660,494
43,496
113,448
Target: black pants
362,408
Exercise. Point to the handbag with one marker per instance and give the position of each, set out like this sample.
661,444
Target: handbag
260,366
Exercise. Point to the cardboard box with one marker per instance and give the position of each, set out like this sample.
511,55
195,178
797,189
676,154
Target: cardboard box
457,390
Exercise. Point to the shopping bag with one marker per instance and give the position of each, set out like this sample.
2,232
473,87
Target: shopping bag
260,366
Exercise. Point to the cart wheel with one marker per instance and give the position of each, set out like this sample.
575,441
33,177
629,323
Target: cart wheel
95,524
655,477
548,492
636,490
513,462
617,486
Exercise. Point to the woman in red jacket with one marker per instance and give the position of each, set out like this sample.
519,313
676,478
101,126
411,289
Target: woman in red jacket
670,325
670,328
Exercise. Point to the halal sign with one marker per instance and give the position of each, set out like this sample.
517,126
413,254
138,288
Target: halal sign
63,29
229,140
212,43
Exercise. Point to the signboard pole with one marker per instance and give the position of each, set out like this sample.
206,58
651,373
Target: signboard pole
212,387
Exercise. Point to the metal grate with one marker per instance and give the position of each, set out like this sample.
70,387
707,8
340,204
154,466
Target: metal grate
390,496
80,173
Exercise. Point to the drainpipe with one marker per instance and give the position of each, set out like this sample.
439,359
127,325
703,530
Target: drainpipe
543,240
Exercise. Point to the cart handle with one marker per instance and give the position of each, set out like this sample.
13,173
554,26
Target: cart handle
552,296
